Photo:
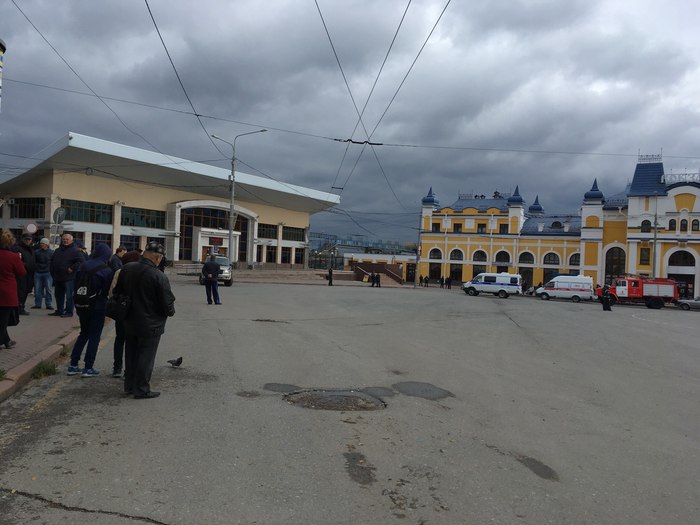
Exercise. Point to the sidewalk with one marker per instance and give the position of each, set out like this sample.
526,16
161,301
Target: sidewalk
40,337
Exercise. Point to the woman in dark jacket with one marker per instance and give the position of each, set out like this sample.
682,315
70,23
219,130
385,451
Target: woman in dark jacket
92,317
11,269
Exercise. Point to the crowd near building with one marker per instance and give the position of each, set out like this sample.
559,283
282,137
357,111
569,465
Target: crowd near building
652,228
104,192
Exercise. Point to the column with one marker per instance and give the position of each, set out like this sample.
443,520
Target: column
252,238
116,225
280,227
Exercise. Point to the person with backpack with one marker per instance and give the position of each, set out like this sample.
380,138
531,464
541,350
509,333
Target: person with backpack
92,282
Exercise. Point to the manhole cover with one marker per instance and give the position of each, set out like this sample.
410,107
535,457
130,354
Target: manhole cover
335,400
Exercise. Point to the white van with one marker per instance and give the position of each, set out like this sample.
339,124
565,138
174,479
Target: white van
500,284
574,287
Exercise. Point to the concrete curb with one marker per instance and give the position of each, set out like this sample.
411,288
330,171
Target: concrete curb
20,375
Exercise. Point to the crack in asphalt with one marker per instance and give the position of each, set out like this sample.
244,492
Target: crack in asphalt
62,506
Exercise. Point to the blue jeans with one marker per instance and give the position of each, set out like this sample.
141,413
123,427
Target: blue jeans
212,288
42,288
64,297
91,324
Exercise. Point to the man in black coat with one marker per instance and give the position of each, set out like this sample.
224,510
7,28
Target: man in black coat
24,284
152,302
65,262
210,273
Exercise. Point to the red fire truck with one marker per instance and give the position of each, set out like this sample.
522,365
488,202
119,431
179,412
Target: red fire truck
633,289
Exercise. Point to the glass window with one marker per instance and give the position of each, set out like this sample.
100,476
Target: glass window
130,242
81,211
615,261
646,226
435,254
480,256
672,224
213,218
489,278
456,255
104,238
503,228
271,254
684,225
645,256
502,257
481,228
286,254
435,227
526,258
457,228
681,258
143,218
293,234
575,259
299,256
267,231
551,258
695,225
27,208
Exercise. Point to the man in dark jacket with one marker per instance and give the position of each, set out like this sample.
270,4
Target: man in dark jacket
42,275
66,260
152,302
115,261
92,316
24,284
210,272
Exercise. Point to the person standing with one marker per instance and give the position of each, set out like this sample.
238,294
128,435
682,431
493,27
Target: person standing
24,284
11,270
377,279
330,276
373,278
606,299
210,272
115,261
119,333
152,302
42,275
420,281
98,274
66,260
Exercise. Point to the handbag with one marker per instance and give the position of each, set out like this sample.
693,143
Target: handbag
13,320
118,306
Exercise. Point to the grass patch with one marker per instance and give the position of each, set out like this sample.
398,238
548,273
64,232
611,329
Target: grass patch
65,351
2,374
44,369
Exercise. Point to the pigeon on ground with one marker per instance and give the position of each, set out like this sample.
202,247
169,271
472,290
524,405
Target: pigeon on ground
175,362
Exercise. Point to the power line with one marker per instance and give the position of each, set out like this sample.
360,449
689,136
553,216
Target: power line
180,80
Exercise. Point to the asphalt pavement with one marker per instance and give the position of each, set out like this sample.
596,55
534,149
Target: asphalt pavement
496,410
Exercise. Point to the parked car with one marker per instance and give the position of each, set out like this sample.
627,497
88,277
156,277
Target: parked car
689,304
500,284
225,273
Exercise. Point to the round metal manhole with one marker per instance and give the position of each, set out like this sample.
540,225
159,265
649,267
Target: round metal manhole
334,400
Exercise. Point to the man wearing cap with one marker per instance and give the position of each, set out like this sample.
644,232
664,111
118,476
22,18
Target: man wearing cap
152,302
24,284
42,275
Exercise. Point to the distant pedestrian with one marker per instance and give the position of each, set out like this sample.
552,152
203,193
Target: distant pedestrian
24,284
606,299
11,269
42,275
426,281
373,279
210,272
442,281
378,280
65,262
420,281
448,282
152,302
330,276
96,276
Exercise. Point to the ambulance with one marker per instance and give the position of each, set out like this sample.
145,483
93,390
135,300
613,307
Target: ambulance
574,287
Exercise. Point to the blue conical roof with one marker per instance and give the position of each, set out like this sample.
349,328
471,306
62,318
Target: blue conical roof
515,198
430,199
594,193
536,207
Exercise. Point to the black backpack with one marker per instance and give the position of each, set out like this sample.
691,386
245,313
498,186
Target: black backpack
88,288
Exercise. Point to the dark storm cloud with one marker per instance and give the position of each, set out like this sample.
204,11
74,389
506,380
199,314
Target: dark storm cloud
538,76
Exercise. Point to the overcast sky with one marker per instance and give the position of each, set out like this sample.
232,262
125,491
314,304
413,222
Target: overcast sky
544,94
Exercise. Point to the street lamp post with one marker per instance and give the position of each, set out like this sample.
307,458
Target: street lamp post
232,184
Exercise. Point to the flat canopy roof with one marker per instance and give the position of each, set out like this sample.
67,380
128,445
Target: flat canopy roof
101,158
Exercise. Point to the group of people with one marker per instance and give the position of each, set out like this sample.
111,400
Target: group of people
375,279
444,282
84,284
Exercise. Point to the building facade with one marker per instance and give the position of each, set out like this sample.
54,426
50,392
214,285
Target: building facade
101,191
652,228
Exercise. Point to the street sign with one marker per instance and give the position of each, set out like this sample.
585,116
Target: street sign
59,215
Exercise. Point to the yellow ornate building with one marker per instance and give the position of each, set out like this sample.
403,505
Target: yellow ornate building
651,228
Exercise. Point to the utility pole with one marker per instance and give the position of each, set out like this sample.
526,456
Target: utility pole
656,228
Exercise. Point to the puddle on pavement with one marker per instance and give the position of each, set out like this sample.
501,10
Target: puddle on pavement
343,400
423,390
378,391
538,468
284,388
359,470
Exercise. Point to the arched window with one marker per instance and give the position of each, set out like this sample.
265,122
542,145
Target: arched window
479,255
646,226
684,225
575,259
556,224
503,257
695,225
456,255
681,258
672,225
551,258
526,258
614,264
435,253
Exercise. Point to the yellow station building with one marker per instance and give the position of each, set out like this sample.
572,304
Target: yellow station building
101,191
652,228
